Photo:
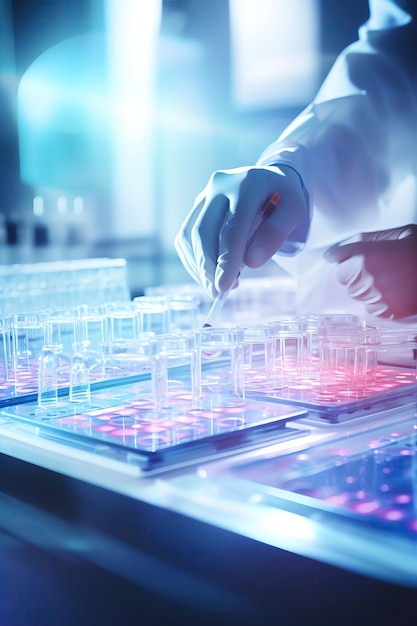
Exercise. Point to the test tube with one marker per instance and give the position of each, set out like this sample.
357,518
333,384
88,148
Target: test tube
28,333
5,354
219,367
92,322
130,356
48,375
79,389
153,314
122,321
183,313
396,347
258,356
348,358
173,367
93,326
289,349
316,325
63,327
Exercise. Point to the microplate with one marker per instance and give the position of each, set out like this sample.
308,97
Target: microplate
368,476
122,423
337,399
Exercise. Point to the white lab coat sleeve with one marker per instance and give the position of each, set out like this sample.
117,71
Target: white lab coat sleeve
357,140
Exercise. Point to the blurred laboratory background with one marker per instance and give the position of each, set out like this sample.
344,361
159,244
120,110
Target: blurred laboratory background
116,112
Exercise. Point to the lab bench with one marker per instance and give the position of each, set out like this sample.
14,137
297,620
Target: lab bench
283,506
318,524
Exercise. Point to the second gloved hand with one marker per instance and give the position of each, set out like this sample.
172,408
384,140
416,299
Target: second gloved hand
380,269
213,239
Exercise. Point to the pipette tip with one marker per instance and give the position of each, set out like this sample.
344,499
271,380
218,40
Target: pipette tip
215,309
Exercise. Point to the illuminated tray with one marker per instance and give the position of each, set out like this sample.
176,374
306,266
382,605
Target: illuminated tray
339,398
377,486
121,423
367,477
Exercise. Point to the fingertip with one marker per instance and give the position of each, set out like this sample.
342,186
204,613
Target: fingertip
378,309
350,270
256,257
223,281
340,253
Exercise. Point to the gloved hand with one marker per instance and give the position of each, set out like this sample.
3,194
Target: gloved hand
380,269
213,239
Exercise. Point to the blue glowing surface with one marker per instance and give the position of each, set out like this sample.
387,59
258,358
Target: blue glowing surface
122,422
375,481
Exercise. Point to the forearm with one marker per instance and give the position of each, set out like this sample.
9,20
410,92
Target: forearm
354,143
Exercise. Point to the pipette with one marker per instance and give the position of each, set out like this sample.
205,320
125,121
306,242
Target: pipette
266,211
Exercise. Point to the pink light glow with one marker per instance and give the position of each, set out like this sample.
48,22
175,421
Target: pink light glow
128,411
104,429
122,432
339,499
375,443
154,428
83,425
392,515
301,387
403,498
366,507
413,526
73,419
102,416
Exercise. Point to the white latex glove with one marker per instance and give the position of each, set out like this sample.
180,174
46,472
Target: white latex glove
213,238
380,269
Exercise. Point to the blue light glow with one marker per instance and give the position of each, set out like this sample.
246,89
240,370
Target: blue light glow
275,52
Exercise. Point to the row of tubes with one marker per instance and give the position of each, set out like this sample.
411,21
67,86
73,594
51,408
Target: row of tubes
41,286
184,363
